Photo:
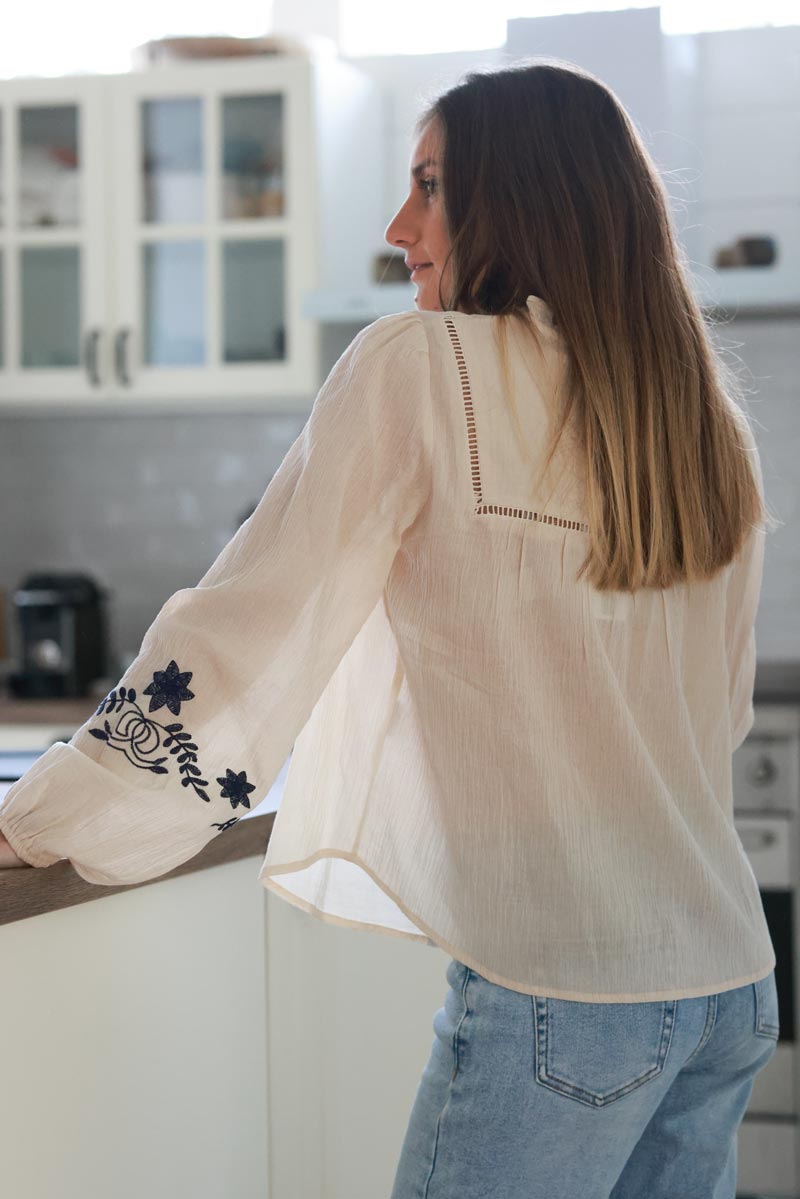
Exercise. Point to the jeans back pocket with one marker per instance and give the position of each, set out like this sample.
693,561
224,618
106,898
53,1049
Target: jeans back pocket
596,1053
766,996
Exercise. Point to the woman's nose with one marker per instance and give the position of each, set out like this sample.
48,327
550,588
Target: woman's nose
399,231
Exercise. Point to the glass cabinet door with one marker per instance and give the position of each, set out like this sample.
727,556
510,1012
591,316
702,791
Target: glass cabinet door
172,161
253,270
172,189
51,239
253,300
50,309
206,232
252,156
49,187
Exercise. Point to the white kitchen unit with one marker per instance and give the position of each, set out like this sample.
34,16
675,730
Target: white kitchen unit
747,129
350,1028
134,1046
159,230
135,1058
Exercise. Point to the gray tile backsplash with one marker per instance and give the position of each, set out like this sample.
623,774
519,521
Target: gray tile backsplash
145,503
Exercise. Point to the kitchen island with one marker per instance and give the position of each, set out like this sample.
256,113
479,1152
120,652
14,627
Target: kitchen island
135,1027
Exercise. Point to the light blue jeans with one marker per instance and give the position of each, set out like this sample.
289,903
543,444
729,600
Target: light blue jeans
525,1097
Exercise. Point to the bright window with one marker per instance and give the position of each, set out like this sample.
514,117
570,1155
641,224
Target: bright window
426,27
95,36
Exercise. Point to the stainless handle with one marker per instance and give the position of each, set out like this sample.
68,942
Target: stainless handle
121,356
90,354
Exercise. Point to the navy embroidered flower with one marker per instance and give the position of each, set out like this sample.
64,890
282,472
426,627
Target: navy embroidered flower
169,687
236,788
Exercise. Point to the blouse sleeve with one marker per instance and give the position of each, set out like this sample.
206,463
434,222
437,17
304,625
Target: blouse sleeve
230,670
743,592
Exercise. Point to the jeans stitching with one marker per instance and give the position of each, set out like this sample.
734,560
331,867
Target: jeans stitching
467,977
450,1084
711,1019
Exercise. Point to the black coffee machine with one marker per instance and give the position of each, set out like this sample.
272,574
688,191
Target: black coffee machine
61,636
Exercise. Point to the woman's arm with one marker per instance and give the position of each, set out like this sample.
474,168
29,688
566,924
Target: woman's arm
201,723
7,856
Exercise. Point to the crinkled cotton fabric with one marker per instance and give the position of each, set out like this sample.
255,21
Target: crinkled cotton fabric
487,754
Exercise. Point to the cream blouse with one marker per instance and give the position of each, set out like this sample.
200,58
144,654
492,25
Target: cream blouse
488,755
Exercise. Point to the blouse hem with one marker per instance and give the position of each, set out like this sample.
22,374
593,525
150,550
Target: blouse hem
429,934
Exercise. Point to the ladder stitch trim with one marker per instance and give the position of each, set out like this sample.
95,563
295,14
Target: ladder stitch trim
481,508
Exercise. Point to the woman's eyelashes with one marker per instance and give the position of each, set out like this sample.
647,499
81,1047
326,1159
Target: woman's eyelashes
428,186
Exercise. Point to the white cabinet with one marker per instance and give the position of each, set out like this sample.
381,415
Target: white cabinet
53,213
747,129
135,1053
349,1030
159,231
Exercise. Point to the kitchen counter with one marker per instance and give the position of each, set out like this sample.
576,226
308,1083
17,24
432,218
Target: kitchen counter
47,711
777,683
30,890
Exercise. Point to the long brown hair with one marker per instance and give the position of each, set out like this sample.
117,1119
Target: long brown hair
548,190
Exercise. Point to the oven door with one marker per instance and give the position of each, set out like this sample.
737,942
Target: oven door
768,841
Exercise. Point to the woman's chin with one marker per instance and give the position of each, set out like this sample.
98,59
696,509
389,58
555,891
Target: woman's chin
426,301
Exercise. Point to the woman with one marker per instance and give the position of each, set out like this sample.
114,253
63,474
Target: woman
513,694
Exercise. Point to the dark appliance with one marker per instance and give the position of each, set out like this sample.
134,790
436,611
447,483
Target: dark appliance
61,635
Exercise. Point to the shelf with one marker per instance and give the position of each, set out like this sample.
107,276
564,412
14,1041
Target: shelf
749,290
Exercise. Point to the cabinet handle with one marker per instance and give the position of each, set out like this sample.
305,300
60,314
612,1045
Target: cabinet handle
91,347
121,357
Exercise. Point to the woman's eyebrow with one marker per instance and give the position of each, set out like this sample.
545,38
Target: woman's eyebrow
420,167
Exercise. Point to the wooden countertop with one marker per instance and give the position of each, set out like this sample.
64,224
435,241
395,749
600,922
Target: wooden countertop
27,891
47,711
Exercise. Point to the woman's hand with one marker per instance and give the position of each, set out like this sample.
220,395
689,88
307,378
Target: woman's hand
7,856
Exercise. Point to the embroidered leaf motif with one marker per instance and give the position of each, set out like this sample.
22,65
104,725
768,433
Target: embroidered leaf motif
99,734
228,824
